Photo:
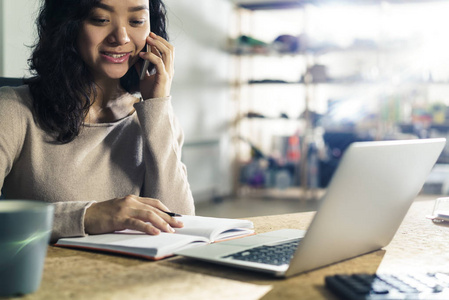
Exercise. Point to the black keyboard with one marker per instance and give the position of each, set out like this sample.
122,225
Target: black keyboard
277,255
427,286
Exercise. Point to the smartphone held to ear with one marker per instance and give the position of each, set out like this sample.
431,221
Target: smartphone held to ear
145,66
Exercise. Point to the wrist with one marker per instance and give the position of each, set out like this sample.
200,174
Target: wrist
165,98
88,218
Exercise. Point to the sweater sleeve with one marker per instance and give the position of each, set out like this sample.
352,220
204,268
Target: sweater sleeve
12,131
15,119
68,219
166,175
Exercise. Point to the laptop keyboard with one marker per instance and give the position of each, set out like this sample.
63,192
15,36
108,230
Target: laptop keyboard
279,254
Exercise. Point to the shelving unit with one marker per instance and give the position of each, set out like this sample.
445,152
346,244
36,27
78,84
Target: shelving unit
368,78
246,83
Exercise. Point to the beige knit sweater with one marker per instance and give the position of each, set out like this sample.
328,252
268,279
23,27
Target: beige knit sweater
140,155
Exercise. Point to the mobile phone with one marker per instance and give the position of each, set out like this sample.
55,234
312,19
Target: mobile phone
145,66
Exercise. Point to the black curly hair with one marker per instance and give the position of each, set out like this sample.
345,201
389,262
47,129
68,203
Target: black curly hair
61,84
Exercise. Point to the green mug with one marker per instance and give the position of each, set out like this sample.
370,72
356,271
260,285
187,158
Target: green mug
25,230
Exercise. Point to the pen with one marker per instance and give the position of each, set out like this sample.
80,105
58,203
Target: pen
172,214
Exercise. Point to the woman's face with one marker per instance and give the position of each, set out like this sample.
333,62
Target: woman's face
112,36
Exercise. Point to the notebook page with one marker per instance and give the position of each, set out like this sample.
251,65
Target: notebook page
138,243
211,228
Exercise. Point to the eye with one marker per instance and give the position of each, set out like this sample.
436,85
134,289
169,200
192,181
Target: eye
99,21
138,22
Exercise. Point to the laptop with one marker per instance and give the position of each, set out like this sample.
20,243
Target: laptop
364,205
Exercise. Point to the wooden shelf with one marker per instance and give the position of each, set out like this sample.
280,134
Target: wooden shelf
292,193
265,5
290,4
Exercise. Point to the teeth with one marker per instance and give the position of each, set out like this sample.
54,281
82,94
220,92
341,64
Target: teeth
115,55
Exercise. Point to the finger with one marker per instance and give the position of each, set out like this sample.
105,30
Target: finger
174,222
143,203
155,217
157,61
156,206
165,55
153,203
162,213
162,40
159,49
161,57
164,49
136,224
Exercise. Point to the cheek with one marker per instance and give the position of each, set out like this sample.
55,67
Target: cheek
140,42
86,45
141,39
82,50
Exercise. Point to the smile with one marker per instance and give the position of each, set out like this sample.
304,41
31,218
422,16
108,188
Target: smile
116,57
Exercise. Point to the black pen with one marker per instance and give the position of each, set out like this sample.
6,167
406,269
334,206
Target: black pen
172,214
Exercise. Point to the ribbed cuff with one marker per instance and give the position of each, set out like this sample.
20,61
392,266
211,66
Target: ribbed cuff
69,219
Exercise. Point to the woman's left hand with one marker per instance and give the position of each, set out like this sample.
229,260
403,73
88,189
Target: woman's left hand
162,56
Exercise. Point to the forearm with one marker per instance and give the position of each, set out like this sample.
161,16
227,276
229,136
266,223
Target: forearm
166,176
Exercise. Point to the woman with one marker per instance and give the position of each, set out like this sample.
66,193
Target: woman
78,134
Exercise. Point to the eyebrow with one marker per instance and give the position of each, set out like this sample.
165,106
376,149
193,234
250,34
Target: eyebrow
130,9
138,8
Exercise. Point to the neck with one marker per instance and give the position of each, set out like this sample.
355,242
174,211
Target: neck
107,90
111,103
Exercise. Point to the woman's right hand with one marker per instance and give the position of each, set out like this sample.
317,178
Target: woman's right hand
131,212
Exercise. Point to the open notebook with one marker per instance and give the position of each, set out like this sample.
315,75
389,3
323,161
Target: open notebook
196,231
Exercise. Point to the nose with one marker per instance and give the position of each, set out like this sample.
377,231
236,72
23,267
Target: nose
119,36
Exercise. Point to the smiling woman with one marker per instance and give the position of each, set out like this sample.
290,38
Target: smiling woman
85,133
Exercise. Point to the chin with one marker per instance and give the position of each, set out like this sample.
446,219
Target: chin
116,74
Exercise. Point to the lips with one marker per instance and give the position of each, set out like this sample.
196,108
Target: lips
115,57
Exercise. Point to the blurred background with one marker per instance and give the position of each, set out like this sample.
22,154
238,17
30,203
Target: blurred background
271,93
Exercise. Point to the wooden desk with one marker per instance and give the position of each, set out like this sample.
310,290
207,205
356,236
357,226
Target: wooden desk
419,245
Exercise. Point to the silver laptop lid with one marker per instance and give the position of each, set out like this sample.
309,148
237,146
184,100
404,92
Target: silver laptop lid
366,201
